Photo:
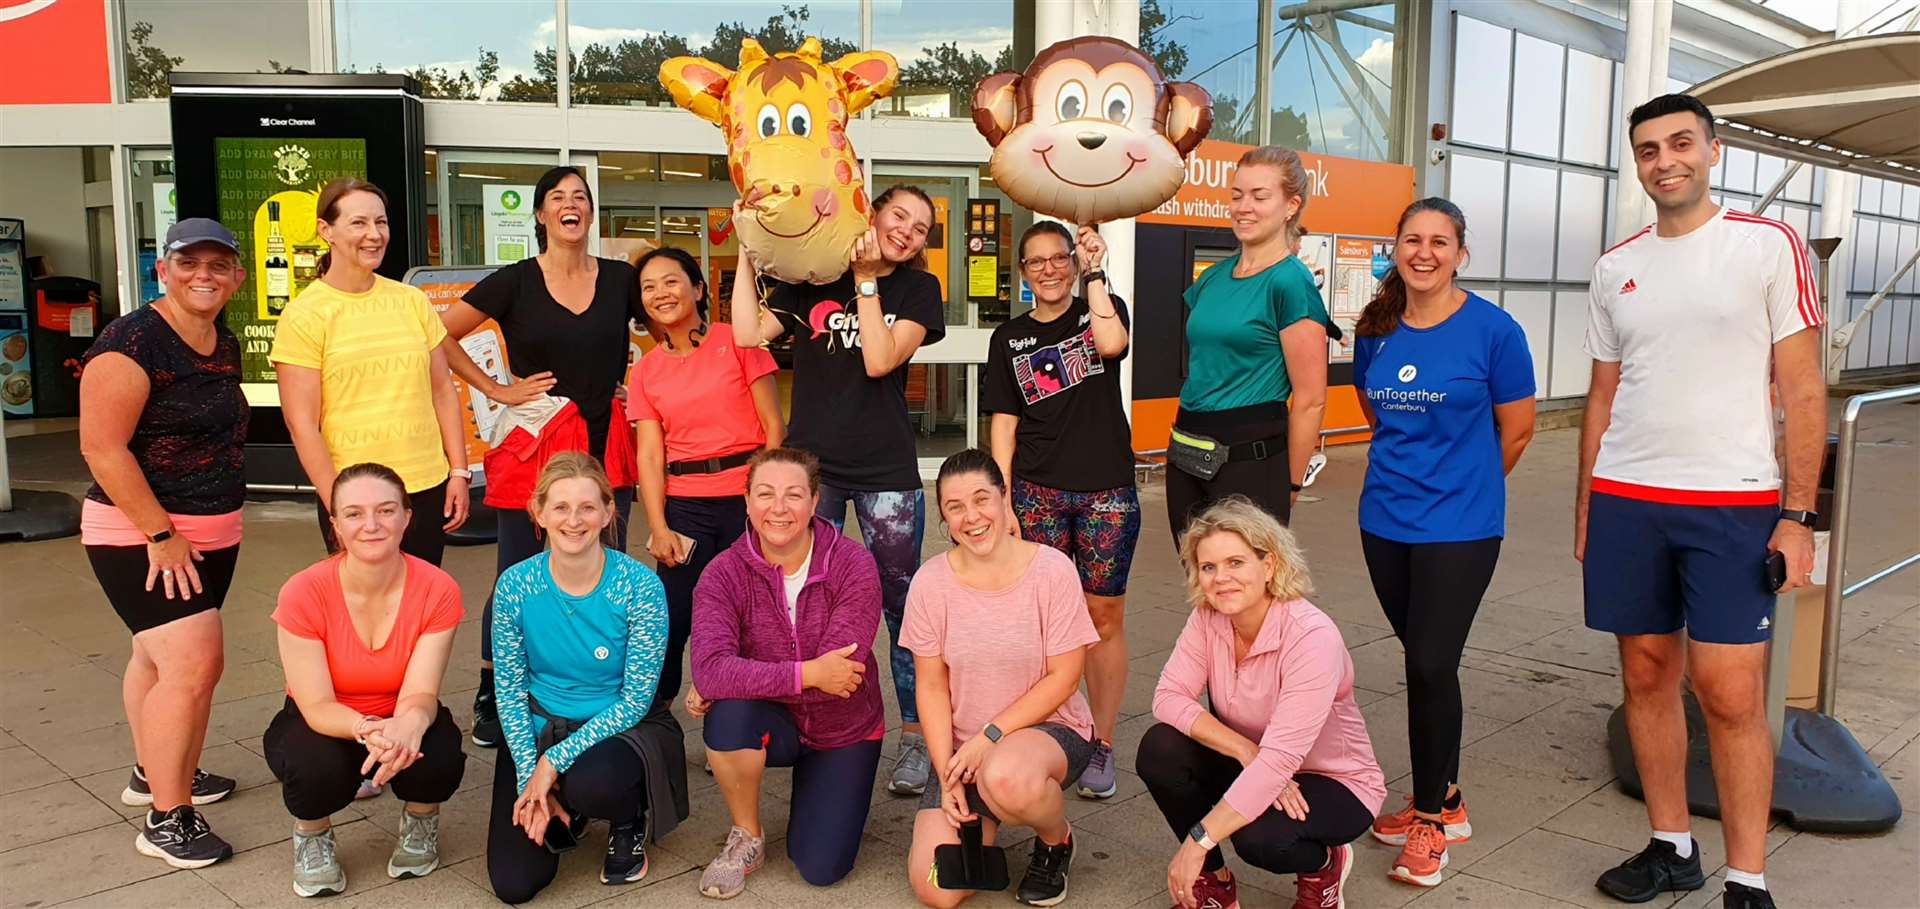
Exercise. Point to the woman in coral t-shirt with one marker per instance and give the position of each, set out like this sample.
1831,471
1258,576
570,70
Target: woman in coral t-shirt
364,637
701,407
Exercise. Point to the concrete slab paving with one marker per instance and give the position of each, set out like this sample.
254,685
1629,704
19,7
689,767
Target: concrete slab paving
1537,687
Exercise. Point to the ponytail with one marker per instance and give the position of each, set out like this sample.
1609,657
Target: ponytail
1389,303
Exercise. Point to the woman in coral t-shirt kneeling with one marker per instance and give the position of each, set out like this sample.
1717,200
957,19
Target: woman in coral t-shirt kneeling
364,637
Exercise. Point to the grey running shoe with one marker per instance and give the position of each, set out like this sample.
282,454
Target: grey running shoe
418,852
727,874
1099,781
910,773
207,788
181,839
315,869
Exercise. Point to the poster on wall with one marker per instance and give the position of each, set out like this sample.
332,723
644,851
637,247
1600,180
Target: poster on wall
485,344
16,366
269,193
508,230
13,265
1356,274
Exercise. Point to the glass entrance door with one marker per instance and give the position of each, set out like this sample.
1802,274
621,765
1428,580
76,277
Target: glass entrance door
486,204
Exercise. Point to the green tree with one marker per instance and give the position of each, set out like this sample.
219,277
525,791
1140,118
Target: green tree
946,67
147,66
1169,54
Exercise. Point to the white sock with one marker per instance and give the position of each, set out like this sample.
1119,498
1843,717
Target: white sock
1682,841
1757,881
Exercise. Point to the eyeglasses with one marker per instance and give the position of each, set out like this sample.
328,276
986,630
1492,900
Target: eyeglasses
219,268
1039,263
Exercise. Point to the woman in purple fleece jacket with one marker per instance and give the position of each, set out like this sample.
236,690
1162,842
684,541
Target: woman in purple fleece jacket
782,650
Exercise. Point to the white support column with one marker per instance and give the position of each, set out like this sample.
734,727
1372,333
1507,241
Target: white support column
1836,216
1058,20
1649,31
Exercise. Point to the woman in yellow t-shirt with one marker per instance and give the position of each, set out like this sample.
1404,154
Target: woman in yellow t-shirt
362,378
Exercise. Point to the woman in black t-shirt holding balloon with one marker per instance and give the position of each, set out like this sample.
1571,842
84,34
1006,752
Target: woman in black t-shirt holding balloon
1061,437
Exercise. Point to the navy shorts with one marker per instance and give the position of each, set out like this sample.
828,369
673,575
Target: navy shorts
1654,568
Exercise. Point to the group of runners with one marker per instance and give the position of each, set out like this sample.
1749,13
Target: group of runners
775,612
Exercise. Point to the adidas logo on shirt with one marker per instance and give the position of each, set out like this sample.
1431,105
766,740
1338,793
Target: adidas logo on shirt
1628,287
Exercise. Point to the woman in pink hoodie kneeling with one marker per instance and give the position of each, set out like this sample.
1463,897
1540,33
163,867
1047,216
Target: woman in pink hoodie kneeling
1281,765
784,673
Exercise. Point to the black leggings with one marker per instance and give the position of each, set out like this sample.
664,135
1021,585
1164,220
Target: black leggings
1268,481
320,774
607,781
832,789
713,523
1186,778
425,539
1430,592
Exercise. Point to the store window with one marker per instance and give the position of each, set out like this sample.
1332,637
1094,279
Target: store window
650,200
945,47
500,50
1332,85
486,205
1213,43
160,36
617,56
59,287
150,174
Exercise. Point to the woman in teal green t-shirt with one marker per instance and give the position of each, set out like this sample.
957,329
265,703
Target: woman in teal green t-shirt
1256,381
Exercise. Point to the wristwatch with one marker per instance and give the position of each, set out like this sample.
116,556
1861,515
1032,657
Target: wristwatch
1199,836
1806,518
869,288
1092,276
162,536
460,472
992,733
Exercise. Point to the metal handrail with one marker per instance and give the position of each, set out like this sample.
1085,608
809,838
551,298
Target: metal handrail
1837,588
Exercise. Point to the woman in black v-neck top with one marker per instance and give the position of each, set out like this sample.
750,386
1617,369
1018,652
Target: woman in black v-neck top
564,317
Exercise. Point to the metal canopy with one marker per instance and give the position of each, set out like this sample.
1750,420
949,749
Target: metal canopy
1852,104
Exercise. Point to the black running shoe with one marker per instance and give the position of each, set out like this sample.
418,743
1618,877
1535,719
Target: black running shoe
1741,896
1045,883
207,788
486,720
181,839
1657,869
626,853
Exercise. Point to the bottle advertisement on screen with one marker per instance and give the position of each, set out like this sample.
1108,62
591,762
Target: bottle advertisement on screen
269,191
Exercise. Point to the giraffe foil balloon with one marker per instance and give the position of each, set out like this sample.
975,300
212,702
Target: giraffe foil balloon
804,199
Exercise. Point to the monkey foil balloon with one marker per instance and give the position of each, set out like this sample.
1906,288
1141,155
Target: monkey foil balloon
785,119
1091,131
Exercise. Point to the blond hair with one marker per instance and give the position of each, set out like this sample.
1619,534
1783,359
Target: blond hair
572,465
1293,181
1262,533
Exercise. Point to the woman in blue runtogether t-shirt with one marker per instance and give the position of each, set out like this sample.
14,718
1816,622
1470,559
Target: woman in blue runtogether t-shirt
1446,381
579,634
1256,383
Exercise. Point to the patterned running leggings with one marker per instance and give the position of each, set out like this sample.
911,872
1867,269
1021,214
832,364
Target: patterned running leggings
893,525
1098,529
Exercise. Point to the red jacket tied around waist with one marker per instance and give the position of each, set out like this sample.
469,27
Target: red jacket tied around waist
529,434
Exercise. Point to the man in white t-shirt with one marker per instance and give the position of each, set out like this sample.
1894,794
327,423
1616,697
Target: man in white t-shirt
1681,503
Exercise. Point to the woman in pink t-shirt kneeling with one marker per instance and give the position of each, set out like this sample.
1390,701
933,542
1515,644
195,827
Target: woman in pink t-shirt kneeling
1282,764
364,638
999,632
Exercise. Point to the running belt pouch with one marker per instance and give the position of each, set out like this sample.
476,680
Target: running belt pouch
1196,454
970,865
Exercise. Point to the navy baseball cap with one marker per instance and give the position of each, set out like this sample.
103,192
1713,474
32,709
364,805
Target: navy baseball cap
199,230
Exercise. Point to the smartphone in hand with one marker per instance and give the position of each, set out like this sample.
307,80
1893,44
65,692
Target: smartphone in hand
1776,571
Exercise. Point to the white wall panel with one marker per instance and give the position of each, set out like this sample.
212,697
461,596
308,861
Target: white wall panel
1618,117
1482,58
1910,203
1868,201
1533,309
1479,187
1583,198
1857,349
1866,243
1800,188
1767,170
1539,70
1572,368
1740,163
1884,264
1589,109
1879,326
1909,240
1913,332
1900,311
1531,192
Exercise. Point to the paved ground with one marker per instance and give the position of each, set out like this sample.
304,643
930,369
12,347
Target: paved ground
1547,815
